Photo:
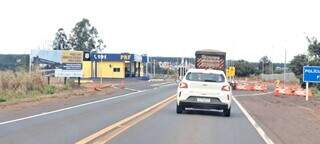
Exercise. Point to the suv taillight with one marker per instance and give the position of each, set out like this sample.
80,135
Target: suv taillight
225,88
183,85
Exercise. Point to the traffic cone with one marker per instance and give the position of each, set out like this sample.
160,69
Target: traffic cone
289,91
276,92
264,88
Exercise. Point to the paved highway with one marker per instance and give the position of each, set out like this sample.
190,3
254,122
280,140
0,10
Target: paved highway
71,124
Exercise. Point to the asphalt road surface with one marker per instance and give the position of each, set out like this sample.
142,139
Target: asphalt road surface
75,123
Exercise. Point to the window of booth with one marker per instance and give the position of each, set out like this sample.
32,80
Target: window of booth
116,69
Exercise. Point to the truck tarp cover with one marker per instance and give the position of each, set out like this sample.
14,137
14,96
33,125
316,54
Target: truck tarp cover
210,59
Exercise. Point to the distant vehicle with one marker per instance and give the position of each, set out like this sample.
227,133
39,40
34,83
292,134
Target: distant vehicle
210,59
204,89
182,70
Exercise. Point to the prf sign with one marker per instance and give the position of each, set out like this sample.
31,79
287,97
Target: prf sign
125,56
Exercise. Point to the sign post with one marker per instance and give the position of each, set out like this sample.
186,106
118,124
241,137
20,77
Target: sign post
310,74
100,72
307,91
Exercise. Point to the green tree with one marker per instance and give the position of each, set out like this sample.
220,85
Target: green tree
313,48
296,65
60,41
313,51
265,65
314,56
244,68
84,37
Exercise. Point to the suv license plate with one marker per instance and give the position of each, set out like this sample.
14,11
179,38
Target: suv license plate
205,100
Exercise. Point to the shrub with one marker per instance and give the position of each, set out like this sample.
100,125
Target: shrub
2,100
49,89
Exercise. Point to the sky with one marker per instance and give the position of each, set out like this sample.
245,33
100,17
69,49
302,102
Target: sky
246,29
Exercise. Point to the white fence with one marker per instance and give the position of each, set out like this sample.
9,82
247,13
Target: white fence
289,77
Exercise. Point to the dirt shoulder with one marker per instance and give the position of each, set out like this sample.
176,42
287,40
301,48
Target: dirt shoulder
286,119
32,106
62,95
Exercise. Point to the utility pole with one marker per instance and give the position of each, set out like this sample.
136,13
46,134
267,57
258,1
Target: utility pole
154,68
101,70
262,67
272,70
284,67
30,62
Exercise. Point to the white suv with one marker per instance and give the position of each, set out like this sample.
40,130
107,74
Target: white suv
204,89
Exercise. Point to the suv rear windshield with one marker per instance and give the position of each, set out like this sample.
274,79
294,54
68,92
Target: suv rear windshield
205,77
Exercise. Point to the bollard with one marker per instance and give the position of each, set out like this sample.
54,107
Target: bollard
122,84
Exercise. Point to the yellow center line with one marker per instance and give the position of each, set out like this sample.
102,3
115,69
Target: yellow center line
108,133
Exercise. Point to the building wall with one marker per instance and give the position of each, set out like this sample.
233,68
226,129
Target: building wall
105,69
86,69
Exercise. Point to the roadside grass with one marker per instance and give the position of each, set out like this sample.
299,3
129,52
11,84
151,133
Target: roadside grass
316,92
317,95
17,86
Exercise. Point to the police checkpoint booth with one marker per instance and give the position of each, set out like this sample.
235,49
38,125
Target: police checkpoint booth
114,65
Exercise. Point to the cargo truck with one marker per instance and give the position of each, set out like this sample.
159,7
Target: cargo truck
212,59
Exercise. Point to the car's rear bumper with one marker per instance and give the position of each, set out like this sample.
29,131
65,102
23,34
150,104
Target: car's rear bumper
201,105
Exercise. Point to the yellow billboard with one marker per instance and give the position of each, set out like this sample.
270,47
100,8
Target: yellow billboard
72,57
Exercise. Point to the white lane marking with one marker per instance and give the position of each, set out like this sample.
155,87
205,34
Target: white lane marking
130,89
135,90
72,107
264,136
256,94
161,84
68,108
154,88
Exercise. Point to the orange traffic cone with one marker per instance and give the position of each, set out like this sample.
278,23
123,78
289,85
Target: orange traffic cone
289,91
276,92
264,88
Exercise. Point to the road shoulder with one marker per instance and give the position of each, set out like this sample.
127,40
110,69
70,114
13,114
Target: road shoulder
284,121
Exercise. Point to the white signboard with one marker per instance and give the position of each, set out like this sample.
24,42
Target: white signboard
60,63
67,73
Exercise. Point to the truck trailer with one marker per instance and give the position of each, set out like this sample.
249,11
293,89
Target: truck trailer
210,59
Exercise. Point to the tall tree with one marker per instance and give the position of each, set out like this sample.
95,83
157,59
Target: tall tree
244,68
314,47
265,65
60,41
84,37
313,51
296,65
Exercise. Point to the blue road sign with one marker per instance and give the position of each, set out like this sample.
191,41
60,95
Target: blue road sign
311,74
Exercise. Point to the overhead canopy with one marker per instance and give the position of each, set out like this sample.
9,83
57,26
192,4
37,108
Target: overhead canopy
118,57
